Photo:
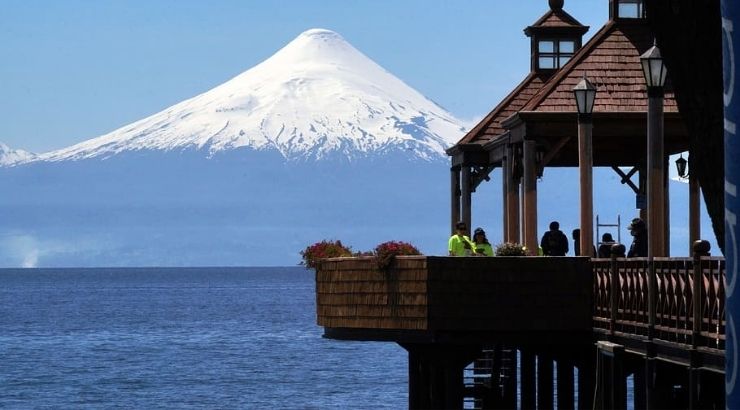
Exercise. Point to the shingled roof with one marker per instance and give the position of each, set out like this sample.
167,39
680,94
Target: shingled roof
555,21
611,61
490,126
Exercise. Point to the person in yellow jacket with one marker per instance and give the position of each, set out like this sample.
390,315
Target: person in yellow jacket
459,243
482,246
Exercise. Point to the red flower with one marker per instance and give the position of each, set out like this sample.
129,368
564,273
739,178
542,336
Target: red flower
313,254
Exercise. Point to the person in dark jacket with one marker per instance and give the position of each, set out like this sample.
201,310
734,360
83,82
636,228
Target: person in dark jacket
605,249
639,247
554,242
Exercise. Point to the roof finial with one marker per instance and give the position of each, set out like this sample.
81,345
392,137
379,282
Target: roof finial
556,4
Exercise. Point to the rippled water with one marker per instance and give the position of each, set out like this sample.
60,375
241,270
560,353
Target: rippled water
182,338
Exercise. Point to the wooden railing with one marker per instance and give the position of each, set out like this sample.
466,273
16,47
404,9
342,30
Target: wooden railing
679,300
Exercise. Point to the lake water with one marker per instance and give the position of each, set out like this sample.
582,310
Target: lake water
182,338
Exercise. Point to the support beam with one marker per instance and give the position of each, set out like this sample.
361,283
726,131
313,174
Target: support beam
455,197
694,206
656,175
666,209
585,169
530,197
544,383
512,200
586,379
436,374
565,384
505,177
467,196
528,380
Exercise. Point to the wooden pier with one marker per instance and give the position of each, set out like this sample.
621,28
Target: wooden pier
661,321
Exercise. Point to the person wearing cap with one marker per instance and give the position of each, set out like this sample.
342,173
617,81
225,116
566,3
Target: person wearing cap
482,246
605,249
639,247
459,243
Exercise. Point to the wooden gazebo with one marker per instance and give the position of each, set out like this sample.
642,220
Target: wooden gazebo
536,126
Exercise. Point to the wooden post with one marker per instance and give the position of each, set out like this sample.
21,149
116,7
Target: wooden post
696,299
656,172
666,209
505,177
585,168
455,197
528,380
694,205
544,382
512,198
530,197
467,196
613,294
586,379
642,188
652,298
613,383
436,374
565,384
640,401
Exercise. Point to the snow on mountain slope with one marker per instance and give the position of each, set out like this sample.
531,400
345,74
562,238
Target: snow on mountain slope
9,156
316,97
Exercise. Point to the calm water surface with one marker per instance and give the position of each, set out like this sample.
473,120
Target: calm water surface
182,338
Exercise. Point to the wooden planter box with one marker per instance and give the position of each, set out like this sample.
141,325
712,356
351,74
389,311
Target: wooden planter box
456,294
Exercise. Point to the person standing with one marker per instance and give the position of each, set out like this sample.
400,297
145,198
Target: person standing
576,235
639,247
482,246
460,244
605,249
554,242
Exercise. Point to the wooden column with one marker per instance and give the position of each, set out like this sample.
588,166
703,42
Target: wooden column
467,196
436,374
667,209
612,389
642,182
544,383
586,378
694,206
656,174
512,201
530,197
585,168
505,177
565,384
528,380
455,197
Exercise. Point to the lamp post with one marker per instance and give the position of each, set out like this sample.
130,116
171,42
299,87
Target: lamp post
585,95
655,72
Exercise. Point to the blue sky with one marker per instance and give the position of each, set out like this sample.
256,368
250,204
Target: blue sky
73,70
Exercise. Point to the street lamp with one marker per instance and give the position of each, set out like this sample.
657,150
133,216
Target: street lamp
655,72
681,166
585,96
653,68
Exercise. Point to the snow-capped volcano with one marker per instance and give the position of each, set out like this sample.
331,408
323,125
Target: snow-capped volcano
9,156
316,97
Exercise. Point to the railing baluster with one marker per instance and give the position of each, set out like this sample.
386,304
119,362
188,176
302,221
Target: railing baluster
614,293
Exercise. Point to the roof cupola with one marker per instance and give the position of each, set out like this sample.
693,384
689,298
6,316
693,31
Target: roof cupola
555,38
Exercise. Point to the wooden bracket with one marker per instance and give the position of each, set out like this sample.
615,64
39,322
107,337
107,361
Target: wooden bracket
478,175
627,178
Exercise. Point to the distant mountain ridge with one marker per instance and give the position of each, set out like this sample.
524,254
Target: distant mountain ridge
316,98
10,156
